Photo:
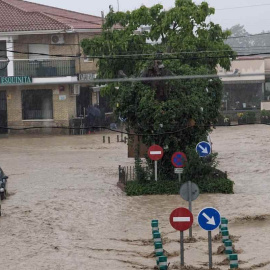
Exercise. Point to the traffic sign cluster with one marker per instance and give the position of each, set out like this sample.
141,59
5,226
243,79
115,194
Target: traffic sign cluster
178,159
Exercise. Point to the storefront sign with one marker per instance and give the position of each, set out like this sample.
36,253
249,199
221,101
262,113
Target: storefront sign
15,80
87,77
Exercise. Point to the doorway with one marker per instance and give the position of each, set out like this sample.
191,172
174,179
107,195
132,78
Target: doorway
83,100
3,112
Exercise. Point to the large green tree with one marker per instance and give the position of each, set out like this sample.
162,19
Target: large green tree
157,42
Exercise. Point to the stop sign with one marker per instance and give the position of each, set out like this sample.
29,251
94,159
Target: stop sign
181,219
155,152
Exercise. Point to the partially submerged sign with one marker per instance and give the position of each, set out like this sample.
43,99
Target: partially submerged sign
188,194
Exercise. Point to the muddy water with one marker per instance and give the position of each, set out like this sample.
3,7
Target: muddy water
65,211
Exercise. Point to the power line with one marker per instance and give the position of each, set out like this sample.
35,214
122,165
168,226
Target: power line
112,57
260,5
143,79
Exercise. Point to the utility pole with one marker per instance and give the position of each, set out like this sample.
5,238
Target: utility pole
118,4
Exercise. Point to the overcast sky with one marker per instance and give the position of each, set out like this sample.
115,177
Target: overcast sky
255,19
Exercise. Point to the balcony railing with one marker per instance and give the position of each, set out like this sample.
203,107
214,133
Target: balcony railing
44,68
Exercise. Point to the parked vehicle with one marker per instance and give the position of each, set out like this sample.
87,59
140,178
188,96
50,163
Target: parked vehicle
3,185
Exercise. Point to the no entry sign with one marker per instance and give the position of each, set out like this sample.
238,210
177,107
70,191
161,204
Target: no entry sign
179,159
155,152
181,219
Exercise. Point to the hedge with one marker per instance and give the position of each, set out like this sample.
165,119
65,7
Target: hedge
210,185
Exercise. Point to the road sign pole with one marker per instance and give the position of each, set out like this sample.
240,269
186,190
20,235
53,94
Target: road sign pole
209,220
156,170
181,248
210,249
189,205
179,177
181,219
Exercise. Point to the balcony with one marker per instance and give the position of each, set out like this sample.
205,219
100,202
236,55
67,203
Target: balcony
44,68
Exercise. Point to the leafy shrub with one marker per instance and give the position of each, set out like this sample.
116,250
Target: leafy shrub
210,185
201,171
247,117
135,188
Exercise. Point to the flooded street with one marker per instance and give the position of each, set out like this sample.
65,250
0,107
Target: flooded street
66,212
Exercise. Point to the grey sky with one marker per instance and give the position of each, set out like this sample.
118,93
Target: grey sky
255,19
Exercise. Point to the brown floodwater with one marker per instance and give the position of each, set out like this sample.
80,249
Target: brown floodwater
66,212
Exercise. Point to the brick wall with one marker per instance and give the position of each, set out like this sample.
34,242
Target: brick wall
63,110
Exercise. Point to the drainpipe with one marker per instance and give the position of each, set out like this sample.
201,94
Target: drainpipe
79,51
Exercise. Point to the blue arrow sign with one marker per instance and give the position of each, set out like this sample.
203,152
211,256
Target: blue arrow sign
209,219
203,149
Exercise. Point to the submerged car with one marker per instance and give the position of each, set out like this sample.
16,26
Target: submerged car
3,185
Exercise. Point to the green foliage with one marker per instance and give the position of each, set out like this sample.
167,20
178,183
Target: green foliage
142,175
135,188
198,168
251,116
265,113
183,42
211,185
201,171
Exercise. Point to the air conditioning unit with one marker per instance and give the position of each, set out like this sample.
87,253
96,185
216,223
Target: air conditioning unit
57,39
74,89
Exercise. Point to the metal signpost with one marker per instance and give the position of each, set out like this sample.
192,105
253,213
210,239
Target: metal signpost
178,171
155,152
203,149
189,191
209,219
181,220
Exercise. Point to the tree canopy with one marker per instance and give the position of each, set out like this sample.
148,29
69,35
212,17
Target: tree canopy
150,42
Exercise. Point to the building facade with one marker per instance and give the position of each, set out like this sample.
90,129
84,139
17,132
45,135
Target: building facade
250,89
41,62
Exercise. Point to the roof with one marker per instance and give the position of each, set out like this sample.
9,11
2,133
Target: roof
19,15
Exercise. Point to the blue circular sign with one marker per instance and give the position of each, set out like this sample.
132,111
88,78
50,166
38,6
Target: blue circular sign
179,159
203,149
209,219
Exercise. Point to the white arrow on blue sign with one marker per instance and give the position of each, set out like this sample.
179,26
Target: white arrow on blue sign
209,219
203,149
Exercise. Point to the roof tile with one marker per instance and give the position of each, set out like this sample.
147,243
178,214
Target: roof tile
19,15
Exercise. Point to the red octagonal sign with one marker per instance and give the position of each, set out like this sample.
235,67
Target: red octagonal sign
181,219
155,152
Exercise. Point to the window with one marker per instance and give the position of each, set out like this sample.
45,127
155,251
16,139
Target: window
37,104
38,48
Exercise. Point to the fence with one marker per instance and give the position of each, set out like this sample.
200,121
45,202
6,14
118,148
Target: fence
44,68
128,173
